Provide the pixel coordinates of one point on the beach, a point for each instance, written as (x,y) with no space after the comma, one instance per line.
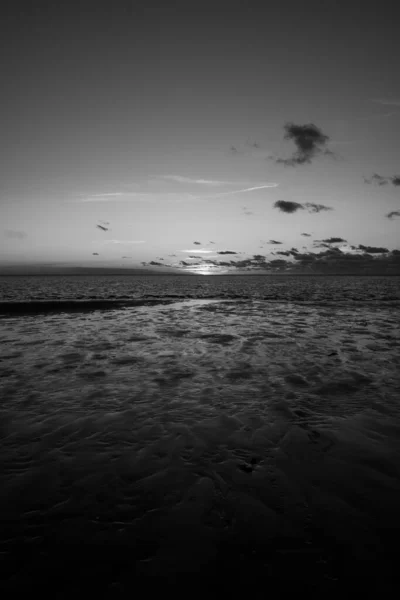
(249,440)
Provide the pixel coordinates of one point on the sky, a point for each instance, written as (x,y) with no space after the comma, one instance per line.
(194,137)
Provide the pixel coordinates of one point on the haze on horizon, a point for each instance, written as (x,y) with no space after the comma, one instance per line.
(199,140)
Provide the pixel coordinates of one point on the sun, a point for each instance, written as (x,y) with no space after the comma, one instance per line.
(207,270)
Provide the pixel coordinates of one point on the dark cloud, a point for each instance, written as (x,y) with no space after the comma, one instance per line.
(316,208)
(223,263)
(197,243)
(102,227)
(294,250)
(382,180)
(394,213)
(153,263)
(226,252)
(290,207)
(12,234)
(309,141)
(283,252)
(275,241)
(95,254)
(306,234)
(319,244)
(287,206)
(334,240)
(373,249)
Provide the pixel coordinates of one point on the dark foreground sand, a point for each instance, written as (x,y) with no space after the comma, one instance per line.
(203,448)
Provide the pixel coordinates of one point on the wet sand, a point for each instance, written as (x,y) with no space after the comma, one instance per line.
(246,445)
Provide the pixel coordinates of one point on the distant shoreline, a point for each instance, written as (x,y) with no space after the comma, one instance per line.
(125,274)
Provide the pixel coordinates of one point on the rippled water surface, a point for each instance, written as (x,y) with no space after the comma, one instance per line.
(220,422)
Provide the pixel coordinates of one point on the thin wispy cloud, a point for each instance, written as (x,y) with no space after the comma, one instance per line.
(386,101)
(12,234)
(137,197)
(200,181)
(108,195)
(199,250)
(124,242)
(378,116)
(250,189)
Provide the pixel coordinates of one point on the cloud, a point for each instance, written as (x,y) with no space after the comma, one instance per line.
(12,234)
(95,254)
(288,206)
(153,263)
(124,242)
(207,182)
(242,191)
(137,197)
(334,240)
(198,250)
(306,234)
(316,208)
(226,252)
(309,141)
(319,244)
(382,180)
(332,260)
(275,241)
(373,249)
(386,102)
(107,195)
(126,256)
(102,227)
(198,243)
(394,213)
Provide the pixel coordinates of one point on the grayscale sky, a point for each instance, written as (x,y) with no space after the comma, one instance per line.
(135,131)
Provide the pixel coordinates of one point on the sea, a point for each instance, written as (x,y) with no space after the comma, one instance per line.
(234,430)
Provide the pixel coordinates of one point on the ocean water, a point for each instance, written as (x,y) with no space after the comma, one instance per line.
(160,427)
